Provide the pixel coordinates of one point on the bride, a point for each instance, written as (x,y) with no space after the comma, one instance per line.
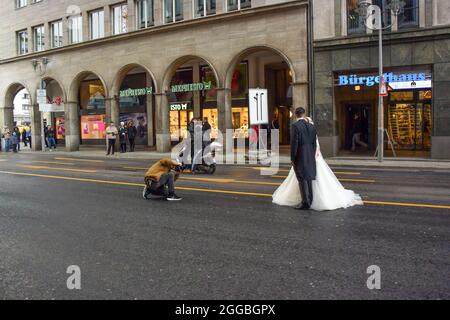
(328,192)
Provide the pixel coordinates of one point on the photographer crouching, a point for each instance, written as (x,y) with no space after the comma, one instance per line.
(160,180)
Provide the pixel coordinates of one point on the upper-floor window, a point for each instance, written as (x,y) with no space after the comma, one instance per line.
(355,23)
(173,10)
(238,4)
(56,34)
(39,38)
(119,18)
(97,24)
(144,13)
(204,8)
(21,3)
(410,16)
(22,42)
(75,29)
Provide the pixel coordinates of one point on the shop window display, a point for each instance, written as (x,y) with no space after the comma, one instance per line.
(139,120)
(92,95)
(60,128)
(240,122)
(179,119)
(93,127)
(410,120)
(239,94)
(213,120)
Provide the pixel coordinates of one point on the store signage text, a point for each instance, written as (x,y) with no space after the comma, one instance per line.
(354,80)
(192,87)
(180,106)
(136,92)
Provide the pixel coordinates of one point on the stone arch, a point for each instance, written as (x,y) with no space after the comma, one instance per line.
(72,108)
(274,65)
(48,79)
(11,92)
(148,101)
(7,111)
(170,71)
(122,73)
(75,84)
(239,56)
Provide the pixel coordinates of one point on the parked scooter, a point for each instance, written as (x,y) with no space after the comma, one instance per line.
(208,162)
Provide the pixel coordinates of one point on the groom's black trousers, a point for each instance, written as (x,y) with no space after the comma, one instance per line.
(305,190)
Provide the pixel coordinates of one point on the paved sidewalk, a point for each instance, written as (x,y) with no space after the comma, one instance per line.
(284,159)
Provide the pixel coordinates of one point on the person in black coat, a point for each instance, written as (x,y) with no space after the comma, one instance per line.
(132,132)
(303,156)
(206,133)
(123,137)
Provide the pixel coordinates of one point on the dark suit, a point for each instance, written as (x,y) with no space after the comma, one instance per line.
(303,155)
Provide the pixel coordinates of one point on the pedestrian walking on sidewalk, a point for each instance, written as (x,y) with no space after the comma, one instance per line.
(111,136)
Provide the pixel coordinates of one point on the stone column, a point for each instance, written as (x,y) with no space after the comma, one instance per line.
(300,96)
(65,31)
(150,122)
(30,39)
(158,13)
(48,38)
(86,35)
(131,21)
(36,129)
(224,106)
(112,106)
(7,117)
(196,94)
(107,17)
(187,9)
(221,7)
(72,126)
(163,143)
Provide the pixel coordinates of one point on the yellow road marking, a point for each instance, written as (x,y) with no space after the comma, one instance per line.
(135,168)
(356,180)
(347,173)
(340,179)
(55,162)
(230,181)
(56,169)
(81,160)
(209,179)
(418,205)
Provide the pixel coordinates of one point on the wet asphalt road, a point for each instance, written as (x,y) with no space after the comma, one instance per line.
(219,242)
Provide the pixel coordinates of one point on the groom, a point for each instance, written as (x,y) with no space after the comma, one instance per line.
(303,156)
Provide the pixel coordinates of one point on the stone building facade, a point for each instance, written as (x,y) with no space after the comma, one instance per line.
(262,33)
(417,43)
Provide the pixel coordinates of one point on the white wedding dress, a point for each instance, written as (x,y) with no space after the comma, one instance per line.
(328,192)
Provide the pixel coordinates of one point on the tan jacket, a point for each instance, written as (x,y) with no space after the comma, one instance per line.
(159,168)
(112,132)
